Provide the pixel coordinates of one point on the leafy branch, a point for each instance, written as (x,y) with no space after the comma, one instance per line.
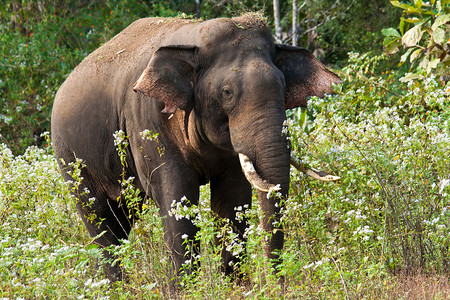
(424,31)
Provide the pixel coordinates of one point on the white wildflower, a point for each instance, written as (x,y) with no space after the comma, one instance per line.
(442,185)
(119,137)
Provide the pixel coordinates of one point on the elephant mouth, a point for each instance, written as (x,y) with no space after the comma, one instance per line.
(263,185)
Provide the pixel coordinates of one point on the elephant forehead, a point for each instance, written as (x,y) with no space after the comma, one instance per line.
(240,31)
(257,65)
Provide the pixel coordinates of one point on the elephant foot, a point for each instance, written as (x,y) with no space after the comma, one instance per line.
(115,274)
(111,268)
(243,280)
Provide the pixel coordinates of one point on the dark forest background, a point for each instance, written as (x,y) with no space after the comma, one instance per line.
(381,232)
(42,41)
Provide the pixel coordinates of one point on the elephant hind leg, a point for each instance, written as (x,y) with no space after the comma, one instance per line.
(105,218)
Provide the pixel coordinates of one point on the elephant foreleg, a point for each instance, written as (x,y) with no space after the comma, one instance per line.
(231,192)
(173,187)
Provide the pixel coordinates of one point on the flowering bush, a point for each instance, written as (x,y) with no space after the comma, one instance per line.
(40,44)
(42,242)
(389,142)
(388,215)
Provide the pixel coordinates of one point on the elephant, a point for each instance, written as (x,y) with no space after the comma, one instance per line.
(216,93)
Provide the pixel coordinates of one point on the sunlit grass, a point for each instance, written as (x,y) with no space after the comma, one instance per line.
(379,233)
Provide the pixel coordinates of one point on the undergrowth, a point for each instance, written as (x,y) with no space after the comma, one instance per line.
(381,232)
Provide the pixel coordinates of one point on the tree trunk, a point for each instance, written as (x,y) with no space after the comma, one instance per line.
(197,9)
(294,23)
(276,16)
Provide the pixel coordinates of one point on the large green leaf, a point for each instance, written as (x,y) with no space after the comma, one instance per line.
(390,39)
(390,32)
(401,26)
(415,10)
(413,20)
(415,54)
(405,55)
(418,4)
(410,77)
(439,36)
(412,36)
(402,5)
(434,62)
(442,19)
(393,46)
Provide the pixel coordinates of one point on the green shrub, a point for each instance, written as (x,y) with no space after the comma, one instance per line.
(424,33)
(40,44)
(43,242)
(389,214)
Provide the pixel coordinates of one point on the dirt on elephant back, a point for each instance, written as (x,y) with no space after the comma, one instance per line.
(145,35)
(136,39)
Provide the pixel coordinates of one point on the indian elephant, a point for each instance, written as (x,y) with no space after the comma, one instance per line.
(216,92)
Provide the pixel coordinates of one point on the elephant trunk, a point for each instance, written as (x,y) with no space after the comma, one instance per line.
(265,159)
(274,165)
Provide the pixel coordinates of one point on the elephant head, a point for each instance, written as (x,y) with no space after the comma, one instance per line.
(237,84)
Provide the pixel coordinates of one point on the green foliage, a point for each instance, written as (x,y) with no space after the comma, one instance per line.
(333,28)
(338,27)
(389,214)
(424,32)
(40,44)
(387,139)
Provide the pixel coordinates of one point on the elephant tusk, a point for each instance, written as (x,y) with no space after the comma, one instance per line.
(252,176)
(319,175)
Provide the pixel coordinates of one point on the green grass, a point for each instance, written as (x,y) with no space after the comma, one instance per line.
(381,232)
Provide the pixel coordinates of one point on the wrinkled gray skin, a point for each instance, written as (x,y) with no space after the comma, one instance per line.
(211,89)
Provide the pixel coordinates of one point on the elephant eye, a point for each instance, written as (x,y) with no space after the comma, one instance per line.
(226,92)
(228,98)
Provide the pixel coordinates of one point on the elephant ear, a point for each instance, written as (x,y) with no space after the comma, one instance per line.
(168,78)
(304,74)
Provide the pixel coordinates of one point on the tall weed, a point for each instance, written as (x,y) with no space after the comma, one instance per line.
(385,223)
(389,214)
